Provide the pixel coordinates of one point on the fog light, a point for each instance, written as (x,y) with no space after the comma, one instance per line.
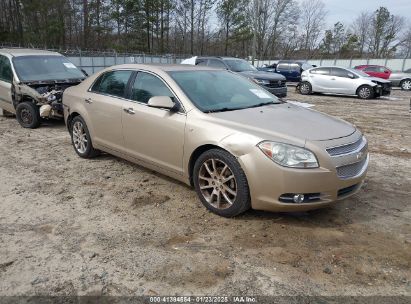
(298,198)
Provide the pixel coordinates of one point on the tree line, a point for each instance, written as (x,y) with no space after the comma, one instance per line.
(261,28)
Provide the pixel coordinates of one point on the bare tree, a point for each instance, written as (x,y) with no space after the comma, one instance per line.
(312,20)
(361,28)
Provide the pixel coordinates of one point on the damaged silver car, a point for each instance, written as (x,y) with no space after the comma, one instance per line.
(32,83)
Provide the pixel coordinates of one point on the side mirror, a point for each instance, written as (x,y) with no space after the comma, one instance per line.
(386,72)
(350,75)
(161,102)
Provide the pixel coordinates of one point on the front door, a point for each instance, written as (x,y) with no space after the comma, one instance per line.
(151,134)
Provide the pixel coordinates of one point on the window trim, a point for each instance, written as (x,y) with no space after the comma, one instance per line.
(131,80)
(115,96)
(11,69)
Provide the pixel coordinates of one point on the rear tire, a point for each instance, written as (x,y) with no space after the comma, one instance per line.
(81,139)
(28,115)
(221,184)
(365,92)
(305,88)
(406,85)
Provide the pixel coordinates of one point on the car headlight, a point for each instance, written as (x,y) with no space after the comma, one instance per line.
(288,155)
(261,81)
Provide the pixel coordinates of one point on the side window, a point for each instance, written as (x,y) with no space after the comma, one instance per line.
(112,83)
(5,69)
(294,67)
(283,67)
(216,64)
(146,86)
(370,69)
(340,72)
(321,71)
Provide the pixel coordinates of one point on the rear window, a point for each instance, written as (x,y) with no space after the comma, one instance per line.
(112,83)
(321,71)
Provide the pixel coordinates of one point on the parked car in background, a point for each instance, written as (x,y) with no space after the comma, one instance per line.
(274,83)
(375,70)
(32,84)
(338,80)
(401,79)
(290,69)
(237,144)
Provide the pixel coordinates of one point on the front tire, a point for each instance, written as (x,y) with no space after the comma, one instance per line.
(81,140)
(365,92)
(28,115)
(406,85)
(305,88)
(221,183)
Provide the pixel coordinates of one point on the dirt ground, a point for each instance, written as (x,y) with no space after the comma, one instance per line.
(70,226)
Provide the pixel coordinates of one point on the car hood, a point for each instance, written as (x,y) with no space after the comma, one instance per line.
(378,79)
(400,74)
(262,75)
(285,121)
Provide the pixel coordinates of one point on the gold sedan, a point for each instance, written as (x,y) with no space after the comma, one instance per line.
(237,144)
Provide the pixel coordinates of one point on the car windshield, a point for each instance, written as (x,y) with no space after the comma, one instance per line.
(359,73)
(216,91)
(45,68)
(239,65)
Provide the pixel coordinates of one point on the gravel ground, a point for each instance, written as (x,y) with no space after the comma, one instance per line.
(70,226)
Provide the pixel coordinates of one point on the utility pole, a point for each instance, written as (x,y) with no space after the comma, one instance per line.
(256,9)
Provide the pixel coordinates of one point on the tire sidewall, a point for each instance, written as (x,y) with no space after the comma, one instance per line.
(34,112)
(242,201)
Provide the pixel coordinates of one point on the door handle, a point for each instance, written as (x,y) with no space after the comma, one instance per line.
(129,111)
(88,100)
(332,78)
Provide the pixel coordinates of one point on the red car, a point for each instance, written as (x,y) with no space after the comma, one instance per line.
(375,70)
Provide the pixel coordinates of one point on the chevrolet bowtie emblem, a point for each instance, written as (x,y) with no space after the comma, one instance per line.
(359,155)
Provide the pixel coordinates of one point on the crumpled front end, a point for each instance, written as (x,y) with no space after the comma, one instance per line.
(47,96)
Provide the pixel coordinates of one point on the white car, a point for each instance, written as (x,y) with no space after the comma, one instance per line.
(337,80)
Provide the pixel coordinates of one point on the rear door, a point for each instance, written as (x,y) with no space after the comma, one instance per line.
(284,69)
(295,72)
(321,80)
(6,80)
(151,134)
(105,102)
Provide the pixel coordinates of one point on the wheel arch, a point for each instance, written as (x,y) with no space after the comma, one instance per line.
(70,118)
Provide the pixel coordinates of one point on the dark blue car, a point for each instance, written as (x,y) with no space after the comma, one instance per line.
(290,69)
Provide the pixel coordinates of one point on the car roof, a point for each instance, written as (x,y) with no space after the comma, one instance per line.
(16,52)
(163,67)
(219,57)
(369,65)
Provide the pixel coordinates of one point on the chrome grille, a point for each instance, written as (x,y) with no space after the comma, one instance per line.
(349,148)
(352,170)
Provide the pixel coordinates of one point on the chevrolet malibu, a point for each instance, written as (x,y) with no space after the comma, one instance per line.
(237,144)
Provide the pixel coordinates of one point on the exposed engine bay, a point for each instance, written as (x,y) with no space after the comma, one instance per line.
(47,95)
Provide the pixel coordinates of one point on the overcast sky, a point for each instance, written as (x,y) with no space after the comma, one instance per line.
(346,10)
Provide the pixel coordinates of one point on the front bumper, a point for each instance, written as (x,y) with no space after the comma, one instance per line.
(384,90)
(279,92)
(271,184)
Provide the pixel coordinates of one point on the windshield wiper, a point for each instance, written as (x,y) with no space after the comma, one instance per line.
(262,104)
(222,110)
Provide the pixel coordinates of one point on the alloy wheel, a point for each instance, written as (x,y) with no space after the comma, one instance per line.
(406,85)
(364,92)
(217,183)
(305,88)
(79,137)
(26,116)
